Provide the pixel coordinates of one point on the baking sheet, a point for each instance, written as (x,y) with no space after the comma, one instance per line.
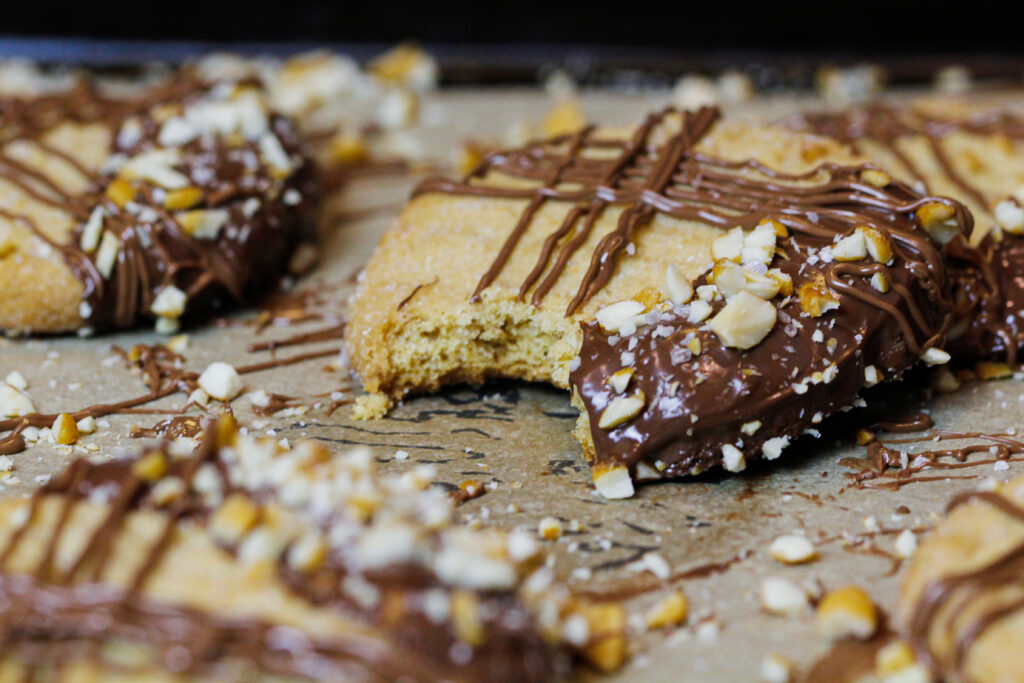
(515,437)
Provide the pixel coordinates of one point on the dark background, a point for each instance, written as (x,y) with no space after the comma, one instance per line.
(509,41)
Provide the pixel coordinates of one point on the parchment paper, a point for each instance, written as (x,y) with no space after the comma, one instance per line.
(713,532)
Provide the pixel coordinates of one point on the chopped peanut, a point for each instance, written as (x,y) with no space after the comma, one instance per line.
(847,612)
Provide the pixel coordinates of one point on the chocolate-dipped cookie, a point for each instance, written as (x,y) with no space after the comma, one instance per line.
(708,289)
(154,206)
(244,560)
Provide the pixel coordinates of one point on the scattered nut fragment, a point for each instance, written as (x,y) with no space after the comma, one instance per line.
(792,549)
(944,381)
(846,612)
(348,149)
(17,380)
(989,370)
(679,288)
(622,409)
(784,281)
(733,459)
(876,177)
(564,118)
(221,381)
(106,256)
(776,668)
(650,297)
(466,617)
(759,244)
(120,191)
(1010,216)
(816,299)
(937,219)
(894,657)
(699,312)
(619,380)
(184,198)
(607,624)
(65,429)
(308,553)
(169,302)
(877,243)
(150,467)
(203,223)
(613,317)
(774,446)
(934,356)
(745,321)
(782,597)
(613,482)
(550,529)
(233,519)
(871,376)
(880,282)
(87,425)
(906,544)
(92,229)
(13,403)
(728,246)
(850,248)
(670,611)
(178,343)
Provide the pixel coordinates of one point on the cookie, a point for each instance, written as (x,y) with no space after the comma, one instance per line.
(974,153)
(962,599)
(708,290)
(154,206)
(243,559)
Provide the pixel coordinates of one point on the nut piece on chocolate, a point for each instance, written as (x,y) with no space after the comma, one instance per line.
(244,560)
(709,290)
(173,201)
(974,153)
(961,603)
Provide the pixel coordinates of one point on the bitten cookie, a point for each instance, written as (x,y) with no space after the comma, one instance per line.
(708,290)
(243,560)
(115,209)
(962,597)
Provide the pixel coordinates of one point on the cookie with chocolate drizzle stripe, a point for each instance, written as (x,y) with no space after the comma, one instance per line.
(720,381)
(962,596)
(662,389)
(246,557)
(972,153)
(169,203)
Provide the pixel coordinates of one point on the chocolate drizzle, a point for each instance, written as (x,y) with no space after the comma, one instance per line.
(645,179)
(155,250)
(972,601)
